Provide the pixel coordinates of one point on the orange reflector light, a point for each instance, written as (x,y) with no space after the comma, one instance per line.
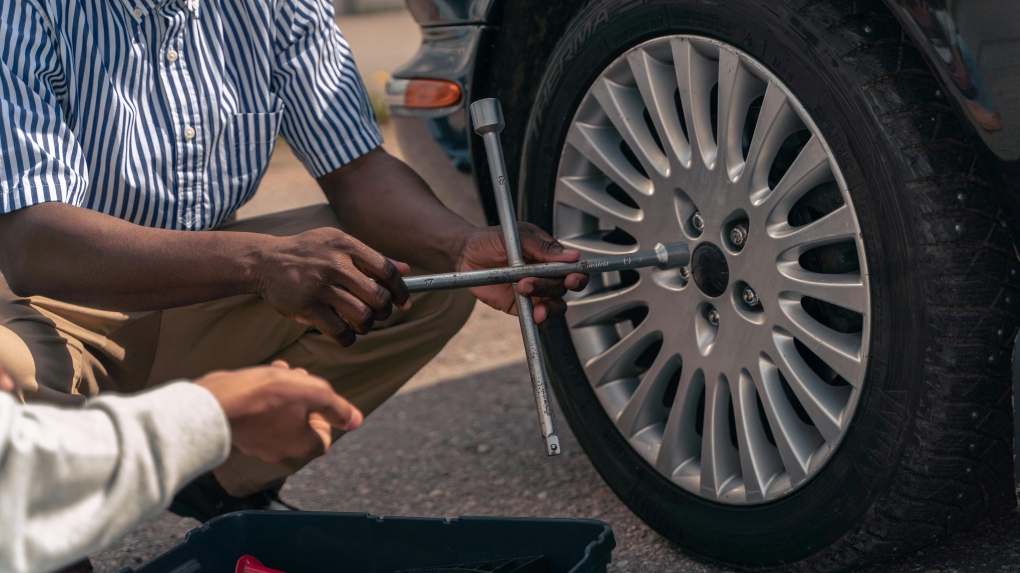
(431,94)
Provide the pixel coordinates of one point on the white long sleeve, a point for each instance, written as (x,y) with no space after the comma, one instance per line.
(74,480)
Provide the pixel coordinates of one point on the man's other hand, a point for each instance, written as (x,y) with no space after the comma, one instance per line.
(483,249)
(277,413)
(331,281)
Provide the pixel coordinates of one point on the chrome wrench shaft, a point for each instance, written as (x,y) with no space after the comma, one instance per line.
(487,117)
(665,256)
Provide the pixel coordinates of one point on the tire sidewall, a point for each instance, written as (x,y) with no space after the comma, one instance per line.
(798,51)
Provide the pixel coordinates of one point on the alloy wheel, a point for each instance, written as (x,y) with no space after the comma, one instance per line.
(738,376)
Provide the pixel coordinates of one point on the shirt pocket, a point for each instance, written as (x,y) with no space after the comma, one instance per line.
(247,144)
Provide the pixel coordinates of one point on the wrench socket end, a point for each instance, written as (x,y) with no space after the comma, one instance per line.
(487,116)
(673,255)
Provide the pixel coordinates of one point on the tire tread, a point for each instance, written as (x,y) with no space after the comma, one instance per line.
(961,438)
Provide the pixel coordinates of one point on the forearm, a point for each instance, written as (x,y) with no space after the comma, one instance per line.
(73,481)
(82,257)
(385,204)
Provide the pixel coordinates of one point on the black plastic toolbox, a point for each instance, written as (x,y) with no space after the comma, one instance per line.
(312,542)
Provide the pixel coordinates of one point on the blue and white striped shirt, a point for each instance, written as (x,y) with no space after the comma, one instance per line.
(164,112)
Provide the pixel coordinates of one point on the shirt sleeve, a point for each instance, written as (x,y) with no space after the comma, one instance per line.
(40,159)
(72,481)
(327,118)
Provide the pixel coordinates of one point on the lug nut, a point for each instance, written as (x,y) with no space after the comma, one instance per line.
(751,297)
(698,221)
(713,317)
(738,235)
(685,273)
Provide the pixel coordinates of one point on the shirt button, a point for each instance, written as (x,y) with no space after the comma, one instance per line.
(172,55)
(189,132)
(138,12)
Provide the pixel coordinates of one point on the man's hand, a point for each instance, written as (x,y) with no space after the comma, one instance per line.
(483,249)
(277,413)
(329,280)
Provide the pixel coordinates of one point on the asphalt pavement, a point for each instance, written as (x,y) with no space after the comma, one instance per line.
(462,437)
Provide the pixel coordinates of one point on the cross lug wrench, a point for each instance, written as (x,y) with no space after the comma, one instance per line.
(487,117)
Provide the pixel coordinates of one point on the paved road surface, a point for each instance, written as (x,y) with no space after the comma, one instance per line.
(461,438)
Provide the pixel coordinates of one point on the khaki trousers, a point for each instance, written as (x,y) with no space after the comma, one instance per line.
(64,353)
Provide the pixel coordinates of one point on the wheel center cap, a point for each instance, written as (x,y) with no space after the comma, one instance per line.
(710,270)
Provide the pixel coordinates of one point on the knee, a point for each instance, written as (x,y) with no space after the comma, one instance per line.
(16,359)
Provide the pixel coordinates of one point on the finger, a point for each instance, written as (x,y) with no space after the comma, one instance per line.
(6,384)
(576,281)
(319,397)
(384,272)
(308,444)
(353,311)
(300,371)
(549,308)
(370,293)
(280,364)
(322,428)
(340,413)
(327,321)
(403,268)
(535,287)
(539,246)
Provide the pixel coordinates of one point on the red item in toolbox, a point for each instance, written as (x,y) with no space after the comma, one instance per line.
(248,564)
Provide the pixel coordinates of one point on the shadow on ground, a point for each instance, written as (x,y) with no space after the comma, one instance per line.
(471,446)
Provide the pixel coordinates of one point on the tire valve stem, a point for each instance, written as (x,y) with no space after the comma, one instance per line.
(713,317)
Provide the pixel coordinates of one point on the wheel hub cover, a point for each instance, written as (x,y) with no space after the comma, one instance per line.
(710,270)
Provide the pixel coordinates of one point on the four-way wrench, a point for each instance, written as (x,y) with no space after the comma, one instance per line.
(487,117)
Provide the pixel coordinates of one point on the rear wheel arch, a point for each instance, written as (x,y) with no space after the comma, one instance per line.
(511,63)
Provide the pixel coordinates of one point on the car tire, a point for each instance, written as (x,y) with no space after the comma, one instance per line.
(928,445)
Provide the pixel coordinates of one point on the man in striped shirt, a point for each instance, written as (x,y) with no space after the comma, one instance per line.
(132,130)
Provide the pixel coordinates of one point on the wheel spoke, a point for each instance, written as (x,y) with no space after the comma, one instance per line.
(695,76)
(822,402)
(810,168)
(680,441)
(759,460)
(794,438)
(588,194)
(591,244)
(776,122)
(846,290)
(840,351)
(618,360)
(738,88)
(835,227)
(600,308)
(719,459)
(657,82)
(647,398)
(601,146)
(625,109)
